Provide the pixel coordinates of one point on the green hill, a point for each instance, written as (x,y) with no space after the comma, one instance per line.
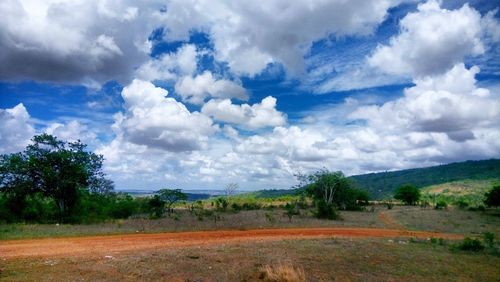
(383,184)
(468,191)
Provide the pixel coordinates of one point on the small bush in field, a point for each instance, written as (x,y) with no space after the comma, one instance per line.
(461,204)
(472,245)
(489,239)
(270,217)
(282,273)
(441,205)
(325,210)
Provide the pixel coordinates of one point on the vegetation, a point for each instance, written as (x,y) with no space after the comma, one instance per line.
(492,198)
(331,191)
(170,197)
(380,185)
(408,194)
(52,180)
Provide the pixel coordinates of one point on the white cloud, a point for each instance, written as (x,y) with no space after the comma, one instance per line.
(72,131)
(263,114)
(249,35)
(169,66)
(154,120)
(16,129)
(196,89)
(86,42)
(449,103)
(431,41)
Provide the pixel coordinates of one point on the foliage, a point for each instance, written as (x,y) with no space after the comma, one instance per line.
(408,194)
(472,245)
(441,205)
(156,206)
(382,184)
(326,211)
(170,197)
(50,174)
(221,204)
(489,239)
(291,209)
(492,198)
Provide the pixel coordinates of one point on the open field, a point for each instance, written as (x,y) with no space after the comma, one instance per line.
(321,259)
(384,245)
(400,217)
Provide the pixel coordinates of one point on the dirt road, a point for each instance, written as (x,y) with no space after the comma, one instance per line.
(109,245)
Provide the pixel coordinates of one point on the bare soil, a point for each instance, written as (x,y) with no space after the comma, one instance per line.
(107,245)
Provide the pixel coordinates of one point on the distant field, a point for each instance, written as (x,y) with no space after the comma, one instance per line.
(469,191)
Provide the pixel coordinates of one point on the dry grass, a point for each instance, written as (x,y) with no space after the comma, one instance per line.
(322,260)
(452,220)
(188,222)
(282,273)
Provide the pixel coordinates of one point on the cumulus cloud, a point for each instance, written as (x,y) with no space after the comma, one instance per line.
(154,120)
(450,103)
(263,114)
(432,40)
(84,42)
(16,129)
(250,35)
(196,89)
(72,131)
(169,66)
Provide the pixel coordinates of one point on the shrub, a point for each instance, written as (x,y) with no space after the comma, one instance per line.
(441,205)
(489,239)
(269,217)
(461,204)
(221,204)
(325,210)
(472,245)
(492,198)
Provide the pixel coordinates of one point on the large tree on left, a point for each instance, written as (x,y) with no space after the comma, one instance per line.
(55,169)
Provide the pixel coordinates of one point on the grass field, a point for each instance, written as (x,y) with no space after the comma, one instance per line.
(321,260)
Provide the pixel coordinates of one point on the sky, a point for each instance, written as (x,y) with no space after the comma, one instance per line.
(196,94)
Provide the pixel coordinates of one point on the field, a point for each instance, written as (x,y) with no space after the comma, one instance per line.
(390,249)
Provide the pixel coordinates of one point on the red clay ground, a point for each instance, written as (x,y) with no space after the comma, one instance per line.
(106,245)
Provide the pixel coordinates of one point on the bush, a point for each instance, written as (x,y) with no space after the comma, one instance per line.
(441,205)
(461,204)
(489,239)
(327,211)
(472,245)
(282,273)
(492,198)
(221,204)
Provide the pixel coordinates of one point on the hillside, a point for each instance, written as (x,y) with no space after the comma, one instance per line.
(468,191)
(383,184)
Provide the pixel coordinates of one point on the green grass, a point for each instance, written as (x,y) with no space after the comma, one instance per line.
(468,191)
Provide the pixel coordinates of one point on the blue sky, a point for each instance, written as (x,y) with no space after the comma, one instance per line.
(198,94)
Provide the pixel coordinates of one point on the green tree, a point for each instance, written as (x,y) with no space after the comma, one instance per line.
(408,194)
(54,169)
(331,191)
(492,197)
(156,206)
(171,196)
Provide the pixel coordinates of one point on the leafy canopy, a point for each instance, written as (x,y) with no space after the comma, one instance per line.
(54,169)
(408,194)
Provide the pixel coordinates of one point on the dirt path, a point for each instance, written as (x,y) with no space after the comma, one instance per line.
(389,221)
(110,245)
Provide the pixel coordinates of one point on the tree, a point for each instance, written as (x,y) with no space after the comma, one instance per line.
(331,191)
(492,198)
(171,196)
(230,189)
(54,169)
(408,194)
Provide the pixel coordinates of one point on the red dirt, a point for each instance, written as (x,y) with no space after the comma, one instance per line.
(108,245)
